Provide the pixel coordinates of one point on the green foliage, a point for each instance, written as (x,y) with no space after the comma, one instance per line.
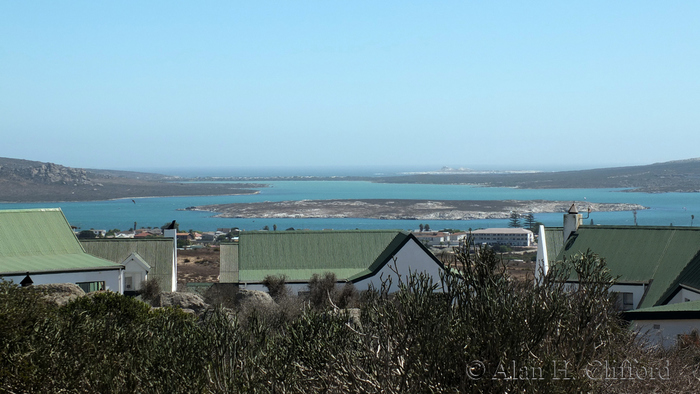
(424,338)
(514,221)
(530,222)
(86,234)
(501,248)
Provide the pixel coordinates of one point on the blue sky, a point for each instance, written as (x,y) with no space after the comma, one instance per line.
(521,85)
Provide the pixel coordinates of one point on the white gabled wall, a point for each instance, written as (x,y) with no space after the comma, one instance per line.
(410,258)
(112,278)
(542,260)
(636,290)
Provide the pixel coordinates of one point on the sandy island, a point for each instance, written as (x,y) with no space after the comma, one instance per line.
(403,209)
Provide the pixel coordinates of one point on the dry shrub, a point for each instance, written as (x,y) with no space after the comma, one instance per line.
(150,289)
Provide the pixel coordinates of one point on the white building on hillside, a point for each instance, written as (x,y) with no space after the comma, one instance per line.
(504,236)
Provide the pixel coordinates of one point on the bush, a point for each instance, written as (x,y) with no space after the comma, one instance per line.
(452,334)
(276,286)
(150,289)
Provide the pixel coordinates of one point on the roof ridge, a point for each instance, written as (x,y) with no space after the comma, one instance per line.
(663,253)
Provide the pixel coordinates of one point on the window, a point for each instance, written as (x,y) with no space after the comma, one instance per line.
(625,301)
(89,287)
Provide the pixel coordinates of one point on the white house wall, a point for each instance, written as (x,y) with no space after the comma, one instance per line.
(636,290)
(684,295)
(112,278)
(411,257)
(667,333)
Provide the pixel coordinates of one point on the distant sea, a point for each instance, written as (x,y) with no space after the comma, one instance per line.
(665,209)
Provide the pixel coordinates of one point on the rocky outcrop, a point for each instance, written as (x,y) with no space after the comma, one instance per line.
(60,293)
(186,301)
(47,173)
(254,298)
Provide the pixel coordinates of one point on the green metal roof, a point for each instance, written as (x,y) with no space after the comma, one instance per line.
(157,252)
(554,239)
(639,254)
(41,240)
(678,311)
(300,254)
(693,306)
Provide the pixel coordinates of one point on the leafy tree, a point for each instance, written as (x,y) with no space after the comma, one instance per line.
(530,222)
(514,221)
(427,227)
(86,234)
(274,227)
(266,228)
(420,227)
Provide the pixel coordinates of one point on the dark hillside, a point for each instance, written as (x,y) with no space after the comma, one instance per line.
(673,176)
(33,181)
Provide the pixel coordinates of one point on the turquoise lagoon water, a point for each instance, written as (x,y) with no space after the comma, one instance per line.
(665,209)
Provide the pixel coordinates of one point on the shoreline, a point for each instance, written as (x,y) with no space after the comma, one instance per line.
(128,198)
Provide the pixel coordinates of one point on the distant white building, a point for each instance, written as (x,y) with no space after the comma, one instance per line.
(457,238)
(504,236)
(432,238)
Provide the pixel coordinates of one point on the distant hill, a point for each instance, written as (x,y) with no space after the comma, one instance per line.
(33,181)
(672,176)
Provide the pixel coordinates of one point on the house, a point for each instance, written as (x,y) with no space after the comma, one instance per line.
(433,238)
(663,325)
(360,257)
(208,237)
(458,238)
(38,246)
(654,265)
(143,258)
(184,237)
(503,236)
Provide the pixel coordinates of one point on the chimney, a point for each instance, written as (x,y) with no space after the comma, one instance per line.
(572,220)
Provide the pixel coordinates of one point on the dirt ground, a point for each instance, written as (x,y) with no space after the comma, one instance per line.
(202,265)
(518,263)
(198,265)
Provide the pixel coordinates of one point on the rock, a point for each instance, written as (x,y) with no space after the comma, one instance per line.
(254,298)
(60,293)
(185,301)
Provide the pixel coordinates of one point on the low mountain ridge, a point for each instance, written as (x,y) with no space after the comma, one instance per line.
(672,176)
(34,181)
